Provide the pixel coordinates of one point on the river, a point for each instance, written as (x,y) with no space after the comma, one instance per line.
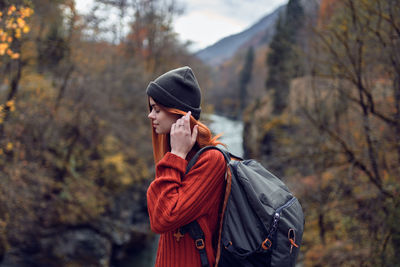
(232,132)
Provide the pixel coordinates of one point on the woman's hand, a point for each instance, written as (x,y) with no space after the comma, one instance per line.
(182,139)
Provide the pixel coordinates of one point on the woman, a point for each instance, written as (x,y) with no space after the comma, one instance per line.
(173,198)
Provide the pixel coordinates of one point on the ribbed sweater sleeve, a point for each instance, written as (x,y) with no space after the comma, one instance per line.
(175,199)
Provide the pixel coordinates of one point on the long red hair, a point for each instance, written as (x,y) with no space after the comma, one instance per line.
(204,137)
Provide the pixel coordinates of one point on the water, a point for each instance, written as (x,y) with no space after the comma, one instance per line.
(144,258)
(232,132)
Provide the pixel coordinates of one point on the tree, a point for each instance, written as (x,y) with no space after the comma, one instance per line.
(13,25)
(336,142)
(354,104)
(245,78)
(282,61)
(76,139)
(151,39)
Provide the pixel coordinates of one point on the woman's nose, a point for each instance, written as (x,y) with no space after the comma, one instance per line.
(151,115)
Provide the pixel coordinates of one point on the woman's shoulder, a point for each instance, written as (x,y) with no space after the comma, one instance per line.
(210,163)
(212,156)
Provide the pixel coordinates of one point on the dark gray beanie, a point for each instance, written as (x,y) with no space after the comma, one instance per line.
(178,89)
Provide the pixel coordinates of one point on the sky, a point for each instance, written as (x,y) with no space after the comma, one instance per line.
(205,22)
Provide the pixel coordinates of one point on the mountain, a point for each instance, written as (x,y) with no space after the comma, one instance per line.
(260,32)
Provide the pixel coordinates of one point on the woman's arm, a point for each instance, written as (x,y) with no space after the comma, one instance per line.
(175,200)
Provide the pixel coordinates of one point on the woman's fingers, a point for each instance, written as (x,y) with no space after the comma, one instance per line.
(194,134)
(182,123)
(182,138)
(186,120)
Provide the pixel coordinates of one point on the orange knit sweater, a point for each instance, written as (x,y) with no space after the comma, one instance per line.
(175,199)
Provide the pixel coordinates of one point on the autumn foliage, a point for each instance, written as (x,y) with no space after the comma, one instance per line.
(13,25)
(337,141)
(74,135)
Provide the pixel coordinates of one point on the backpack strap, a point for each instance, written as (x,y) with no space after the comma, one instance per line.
(194,228)
(197,234)
(227,156)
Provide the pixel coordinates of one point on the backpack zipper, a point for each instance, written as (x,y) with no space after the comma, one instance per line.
(277,216)
(287,205)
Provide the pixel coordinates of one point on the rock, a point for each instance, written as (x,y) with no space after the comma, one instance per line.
(82,247)
(123,230)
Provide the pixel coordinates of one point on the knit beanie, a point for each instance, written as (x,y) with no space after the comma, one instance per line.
(178,89)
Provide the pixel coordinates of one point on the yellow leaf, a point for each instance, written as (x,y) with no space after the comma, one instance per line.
(18,33)
(21,22)
(15,56)
(9,146)
(26,12)
(26,29)
(3,48)
(10,103)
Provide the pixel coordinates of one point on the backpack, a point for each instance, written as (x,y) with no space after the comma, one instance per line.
(261,221)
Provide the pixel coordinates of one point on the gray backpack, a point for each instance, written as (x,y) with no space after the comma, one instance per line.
(262,222)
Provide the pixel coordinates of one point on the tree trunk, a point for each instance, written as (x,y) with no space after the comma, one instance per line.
(12,93)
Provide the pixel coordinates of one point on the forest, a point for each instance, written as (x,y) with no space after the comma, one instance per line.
(321,110)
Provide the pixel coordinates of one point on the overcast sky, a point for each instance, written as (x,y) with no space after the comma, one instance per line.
(207,21)
(204,22)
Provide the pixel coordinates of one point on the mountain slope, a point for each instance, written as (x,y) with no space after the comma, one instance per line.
(224,49)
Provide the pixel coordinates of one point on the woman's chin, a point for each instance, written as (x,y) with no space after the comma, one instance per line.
(159,131)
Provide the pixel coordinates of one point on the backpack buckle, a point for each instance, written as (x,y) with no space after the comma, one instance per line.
(199,243)
(292,239)
(228,245)
(266,244)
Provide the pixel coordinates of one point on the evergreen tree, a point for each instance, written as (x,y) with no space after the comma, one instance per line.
(282,61)
(245,78)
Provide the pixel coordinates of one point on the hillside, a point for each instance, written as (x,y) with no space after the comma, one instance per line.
(260,32)
(337,151)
